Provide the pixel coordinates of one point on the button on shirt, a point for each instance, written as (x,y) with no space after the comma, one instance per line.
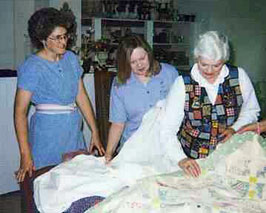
(130,101)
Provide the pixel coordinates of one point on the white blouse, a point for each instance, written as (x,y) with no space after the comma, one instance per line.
(175,101)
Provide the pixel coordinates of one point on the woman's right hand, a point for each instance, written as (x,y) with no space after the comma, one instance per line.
(26,166)
(114,136)
(108,157)
(190,167)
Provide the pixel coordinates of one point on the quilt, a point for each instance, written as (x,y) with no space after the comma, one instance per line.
(232,181)
(145,154)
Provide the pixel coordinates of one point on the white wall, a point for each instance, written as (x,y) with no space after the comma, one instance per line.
(9,154)
(14,45)
(7,37)
(23,9)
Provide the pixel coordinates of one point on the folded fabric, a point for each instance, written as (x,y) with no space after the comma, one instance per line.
(233,180)
(144,154)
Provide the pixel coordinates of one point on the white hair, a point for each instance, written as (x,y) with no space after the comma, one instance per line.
(213,46)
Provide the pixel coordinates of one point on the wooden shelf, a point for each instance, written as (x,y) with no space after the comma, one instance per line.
(115,22)
(171,44)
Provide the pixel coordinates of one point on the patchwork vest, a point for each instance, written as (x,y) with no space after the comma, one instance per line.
(203,123)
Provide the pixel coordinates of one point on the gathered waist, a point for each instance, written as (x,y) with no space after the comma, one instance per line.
(55,108)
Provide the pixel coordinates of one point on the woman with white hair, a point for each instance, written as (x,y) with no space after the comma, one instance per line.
(208,105)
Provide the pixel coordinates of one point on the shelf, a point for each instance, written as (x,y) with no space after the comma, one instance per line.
(169,39)
(86,21)
(132,22)
(162,24)
(115,22)
(183,67)
(171,44)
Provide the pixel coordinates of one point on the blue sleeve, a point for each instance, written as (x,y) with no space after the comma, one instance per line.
(117,107)
(28,76)
(76,63)
(170,71)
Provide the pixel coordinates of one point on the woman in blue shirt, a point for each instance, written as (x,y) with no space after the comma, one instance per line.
(141,81)
(51,81)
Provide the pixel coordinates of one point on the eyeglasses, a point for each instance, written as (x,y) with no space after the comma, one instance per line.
(60,38)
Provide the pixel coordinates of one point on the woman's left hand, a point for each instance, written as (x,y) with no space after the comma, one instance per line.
(227,134)
(96,143)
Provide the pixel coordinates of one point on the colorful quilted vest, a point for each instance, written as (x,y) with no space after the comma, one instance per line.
(203,122)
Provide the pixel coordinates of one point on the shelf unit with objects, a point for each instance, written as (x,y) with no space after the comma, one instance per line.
(172,43)
(171,40)
(100,38)
(102,35)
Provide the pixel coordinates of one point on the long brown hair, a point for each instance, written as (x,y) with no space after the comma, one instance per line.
(125,49)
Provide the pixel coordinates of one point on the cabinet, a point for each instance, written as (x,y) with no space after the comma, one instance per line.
(103,81)
(171,41)
(9,152)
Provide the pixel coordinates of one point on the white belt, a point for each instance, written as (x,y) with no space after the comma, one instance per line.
(55,108)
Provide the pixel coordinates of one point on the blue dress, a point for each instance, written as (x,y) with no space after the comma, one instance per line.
(130,101)
(52,135)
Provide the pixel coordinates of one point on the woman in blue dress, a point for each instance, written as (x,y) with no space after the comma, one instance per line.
(51,81)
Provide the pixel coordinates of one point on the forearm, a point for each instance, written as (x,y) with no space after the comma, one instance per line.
(174,110)
(245,118)
(250,108)
(85,106)
(115,132)
(263,126)
(22,101)
(258,127)
(248,114)
(21,127)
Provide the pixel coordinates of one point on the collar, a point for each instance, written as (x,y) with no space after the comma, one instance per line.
(195,73)
(133,79)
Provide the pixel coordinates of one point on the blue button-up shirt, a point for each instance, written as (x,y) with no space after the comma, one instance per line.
(130,101)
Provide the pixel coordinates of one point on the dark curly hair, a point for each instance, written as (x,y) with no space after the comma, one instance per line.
(42,23)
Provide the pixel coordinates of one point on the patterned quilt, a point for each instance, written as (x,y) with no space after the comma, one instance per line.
(232,181)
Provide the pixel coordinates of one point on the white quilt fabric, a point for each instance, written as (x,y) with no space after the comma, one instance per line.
(144,154)
(233,180)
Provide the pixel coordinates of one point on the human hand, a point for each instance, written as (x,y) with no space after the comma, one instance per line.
(227,134)
(190,167)
(108,157)
(96,143)
(26,165)
(249,127)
